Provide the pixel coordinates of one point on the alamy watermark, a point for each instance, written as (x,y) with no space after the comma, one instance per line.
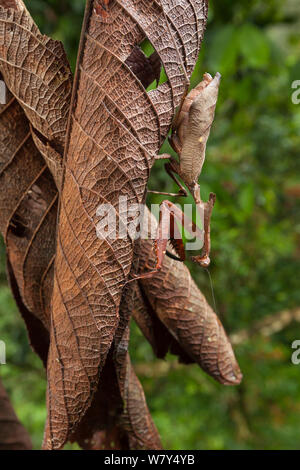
(2,353)
(133,221)
(296,94)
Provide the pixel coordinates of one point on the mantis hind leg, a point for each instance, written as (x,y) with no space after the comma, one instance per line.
(204,259)
(168,232)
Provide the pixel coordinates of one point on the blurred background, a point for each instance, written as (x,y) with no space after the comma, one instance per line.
(253,166)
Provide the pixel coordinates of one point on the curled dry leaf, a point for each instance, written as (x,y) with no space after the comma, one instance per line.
(124,422)
(13,436)
(32,66)
(157,334)
(14,4)
(116,129)
(99,428)
(42,84)
(28,201)
(31,282)
(135,419)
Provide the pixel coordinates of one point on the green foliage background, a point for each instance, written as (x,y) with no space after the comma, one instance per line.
(253,167)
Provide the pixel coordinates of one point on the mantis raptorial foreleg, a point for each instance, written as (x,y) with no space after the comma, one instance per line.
(168,231)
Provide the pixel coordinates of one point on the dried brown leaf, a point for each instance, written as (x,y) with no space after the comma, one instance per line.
(13,436)
(28,201)
(124,423)
(146,69)
(136,420)
(36,70)
(32,65)
(153,329)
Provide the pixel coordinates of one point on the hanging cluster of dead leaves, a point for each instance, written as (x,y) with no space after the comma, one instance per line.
(65,148)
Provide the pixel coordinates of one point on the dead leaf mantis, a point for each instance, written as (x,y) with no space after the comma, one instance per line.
(190,132)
